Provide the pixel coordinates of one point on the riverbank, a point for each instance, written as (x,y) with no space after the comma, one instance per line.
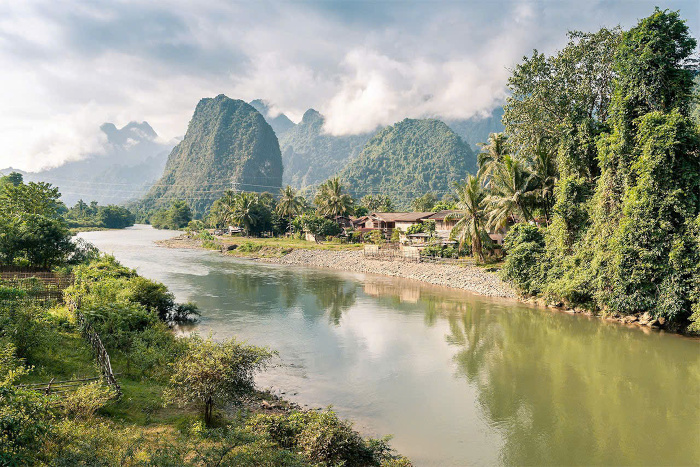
(350,258)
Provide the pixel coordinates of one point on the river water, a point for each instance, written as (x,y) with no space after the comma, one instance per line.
(456,378)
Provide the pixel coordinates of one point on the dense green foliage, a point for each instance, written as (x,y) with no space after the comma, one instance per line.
(253,212)
(177,216)
(623,237)
(93,215)
(311,156)
(228,144)
(477,129)
(32,229)
(409,159)
(318,226)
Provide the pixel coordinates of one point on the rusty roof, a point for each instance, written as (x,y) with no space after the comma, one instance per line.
(401,216)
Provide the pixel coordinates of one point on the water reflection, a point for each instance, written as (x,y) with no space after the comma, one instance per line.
(458,379)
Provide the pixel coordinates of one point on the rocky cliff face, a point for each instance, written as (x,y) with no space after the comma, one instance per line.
(228,145)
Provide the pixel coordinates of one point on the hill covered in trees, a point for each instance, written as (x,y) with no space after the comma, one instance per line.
(408,159)
(310,156)
(132,159)
(228,144)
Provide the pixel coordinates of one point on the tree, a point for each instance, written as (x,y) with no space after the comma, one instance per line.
(470,226)
(245,212)
(545,175)
(380,203)
(331,201)
(176,217)
(290,203)
(14,178)
(211,373)
(32,230)
(491,155)
(425,203)
(512,193)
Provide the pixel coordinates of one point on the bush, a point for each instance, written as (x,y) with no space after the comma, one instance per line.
(525,249)
(25,418)
(323,438)
(86,400)
(375,236)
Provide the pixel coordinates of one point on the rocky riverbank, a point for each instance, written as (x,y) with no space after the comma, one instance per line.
(469,278)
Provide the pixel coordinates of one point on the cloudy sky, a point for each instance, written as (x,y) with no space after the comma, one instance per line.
(68,66)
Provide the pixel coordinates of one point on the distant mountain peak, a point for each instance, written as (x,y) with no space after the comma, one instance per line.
(135,131)
(311,116)
(280,123)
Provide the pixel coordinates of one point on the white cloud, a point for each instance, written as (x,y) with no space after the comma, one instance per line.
(67,67)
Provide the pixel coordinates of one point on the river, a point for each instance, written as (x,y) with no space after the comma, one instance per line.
(456,378)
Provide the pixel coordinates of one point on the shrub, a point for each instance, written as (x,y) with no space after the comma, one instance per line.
(323,438)
(525,250)
(86,400)
(375,236)
(25,418)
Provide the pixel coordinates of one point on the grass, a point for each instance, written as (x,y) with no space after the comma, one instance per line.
(279,246)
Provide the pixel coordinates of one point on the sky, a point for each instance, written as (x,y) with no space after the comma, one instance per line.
(68,66)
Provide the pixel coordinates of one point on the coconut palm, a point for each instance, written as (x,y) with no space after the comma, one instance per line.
(245,211)
(471,215)
(512,192)
(331,201)
(220,213)
(290,204)
(491,155)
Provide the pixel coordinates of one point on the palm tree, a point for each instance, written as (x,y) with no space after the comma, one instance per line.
(331,201)
(222,209)
(512,192)
(471,215)
(245,211)
(544,173)
(290,204)
(491,155)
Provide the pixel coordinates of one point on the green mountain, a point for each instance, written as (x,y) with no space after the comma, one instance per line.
(476,130)
(280,122)
(228,144)
(310,156)
(408,159)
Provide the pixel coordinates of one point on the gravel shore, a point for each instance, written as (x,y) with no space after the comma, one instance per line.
(469,278)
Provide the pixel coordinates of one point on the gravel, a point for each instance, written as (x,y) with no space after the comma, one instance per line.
(459,277)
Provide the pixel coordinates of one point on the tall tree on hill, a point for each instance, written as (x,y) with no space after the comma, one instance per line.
(331,201)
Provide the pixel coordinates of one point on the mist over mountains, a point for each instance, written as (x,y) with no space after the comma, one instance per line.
(132,159)
(219,154)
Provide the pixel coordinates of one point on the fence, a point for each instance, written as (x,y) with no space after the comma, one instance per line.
(100,352)
(58,387)
(39,284)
